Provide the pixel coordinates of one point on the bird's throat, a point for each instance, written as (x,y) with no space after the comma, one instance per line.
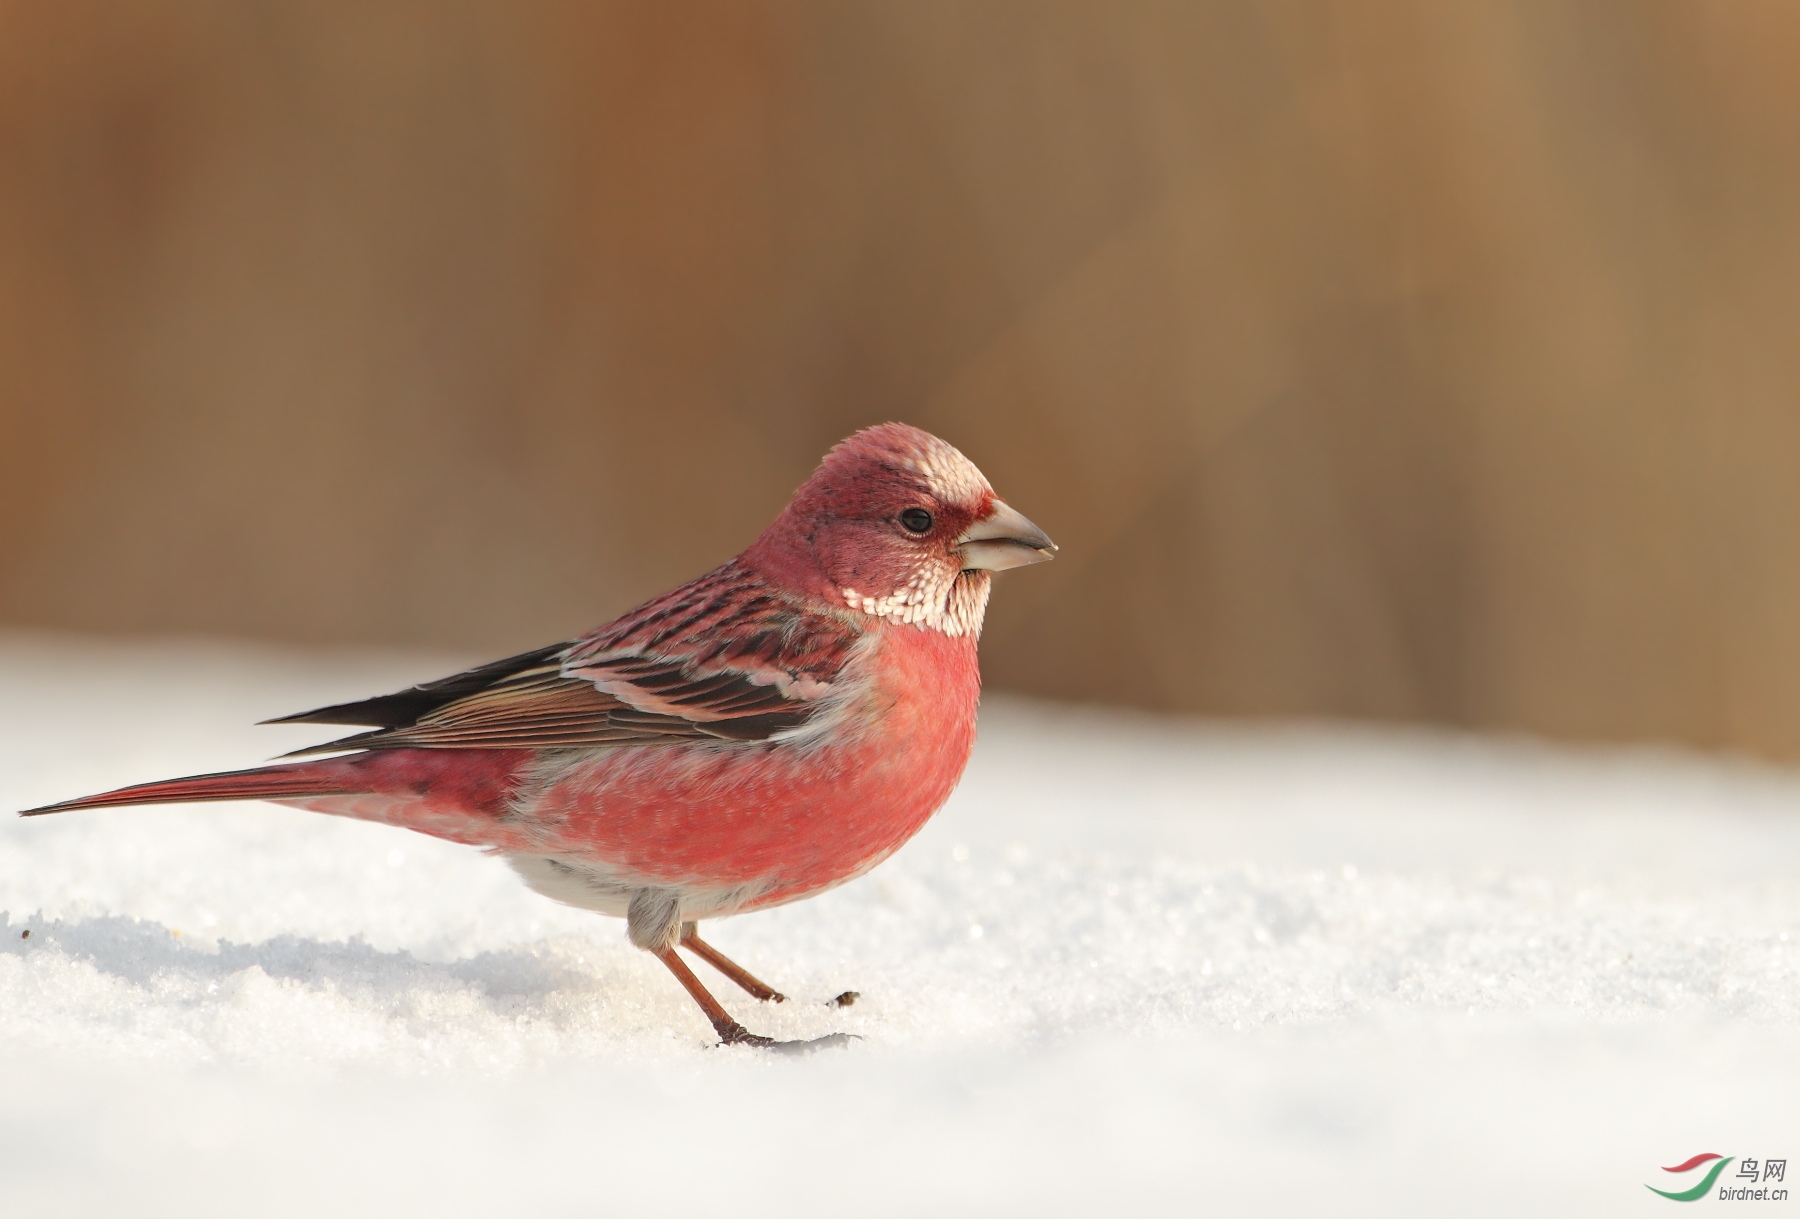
(954,604)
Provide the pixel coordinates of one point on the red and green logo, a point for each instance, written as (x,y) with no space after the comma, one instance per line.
(1745,1185)
(1706,1182)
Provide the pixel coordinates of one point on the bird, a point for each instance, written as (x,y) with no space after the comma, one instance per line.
(761,734)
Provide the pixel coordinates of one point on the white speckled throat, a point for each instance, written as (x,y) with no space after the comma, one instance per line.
(934,598)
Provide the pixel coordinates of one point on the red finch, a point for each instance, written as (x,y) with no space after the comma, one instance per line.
(763,733)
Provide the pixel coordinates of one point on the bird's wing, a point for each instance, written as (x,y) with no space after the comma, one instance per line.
(721,658)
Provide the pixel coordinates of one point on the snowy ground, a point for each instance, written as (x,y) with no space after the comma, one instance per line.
(1135,966)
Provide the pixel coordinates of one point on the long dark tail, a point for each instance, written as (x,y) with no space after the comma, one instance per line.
(327,778)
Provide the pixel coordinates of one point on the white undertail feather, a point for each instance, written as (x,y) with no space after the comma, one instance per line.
(654,910)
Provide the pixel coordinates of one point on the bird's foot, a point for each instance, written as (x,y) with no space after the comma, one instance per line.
(737,1034)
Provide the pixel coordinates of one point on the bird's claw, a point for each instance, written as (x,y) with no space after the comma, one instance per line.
(737,1034)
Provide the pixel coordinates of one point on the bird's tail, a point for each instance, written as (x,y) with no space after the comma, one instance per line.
(327,778)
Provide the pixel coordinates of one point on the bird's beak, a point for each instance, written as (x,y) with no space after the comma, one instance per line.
(1002,539)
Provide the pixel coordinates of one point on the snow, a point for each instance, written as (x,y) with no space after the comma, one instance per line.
(1135,964)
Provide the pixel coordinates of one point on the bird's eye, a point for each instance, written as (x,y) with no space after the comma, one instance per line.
(916,520)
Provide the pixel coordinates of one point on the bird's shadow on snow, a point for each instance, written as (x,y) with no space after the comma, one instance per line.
(146,954)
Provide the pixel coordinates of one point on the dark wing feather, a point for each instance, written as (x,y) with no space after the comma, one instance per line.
(738,664)
(405,708)
(724,646)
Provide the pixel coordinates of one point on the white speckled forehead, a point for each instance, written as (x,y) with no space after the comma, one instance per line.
(947,474)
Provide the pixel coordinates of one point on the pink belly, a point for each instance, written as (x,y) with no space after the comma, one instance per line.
(786,820)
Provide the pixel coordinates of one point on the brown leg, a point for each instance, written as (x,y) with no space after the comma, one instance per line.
(690,940)
(730,1031)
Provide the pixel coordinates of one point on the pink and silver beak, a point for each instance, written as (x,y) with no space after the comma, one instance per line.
(1002,539)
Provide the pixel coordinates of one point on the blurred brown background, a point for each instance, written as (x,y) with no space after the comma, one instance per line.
(1401,358)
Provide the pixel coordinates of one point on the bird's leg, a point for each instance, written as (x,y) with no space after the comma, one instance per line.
(730,1031)
(690,940)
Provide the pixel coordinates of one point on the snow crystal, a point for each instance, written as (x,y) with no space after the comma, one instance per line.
(1135,963)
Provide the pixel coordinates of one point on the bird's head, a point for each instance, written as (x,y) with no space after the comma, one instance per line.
(897,524)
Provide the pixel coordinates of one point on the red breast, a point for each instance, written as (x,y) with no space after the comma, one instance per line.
(787,819)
